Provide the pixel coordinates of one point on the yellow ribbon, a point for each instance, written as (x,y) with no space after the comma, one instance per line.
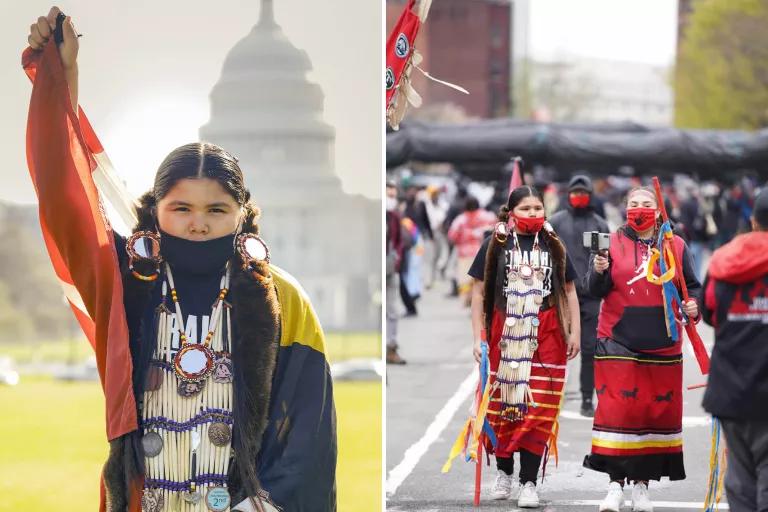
(482,410)
(458,446)
(473,426)
(668,275)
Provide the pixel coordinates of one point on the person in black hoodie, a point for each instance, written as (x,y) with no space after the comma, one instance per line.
(578,217)
(736,305)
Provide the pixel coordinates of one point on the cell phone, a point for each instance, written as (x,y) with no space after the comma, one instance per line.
(597,242)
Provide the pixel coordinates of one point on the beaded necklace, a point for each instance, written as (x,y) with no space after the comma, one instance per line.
(186,417)
(519,337)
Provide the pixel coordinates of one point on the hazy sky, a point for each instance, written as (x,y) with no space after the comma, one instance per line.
(629,30)
(147,67)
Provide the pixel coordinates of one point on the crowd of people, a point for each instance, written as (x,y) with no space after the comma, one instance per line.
(540,294)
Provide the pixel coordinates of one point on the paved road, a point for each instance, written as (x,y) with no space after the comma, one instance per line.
(426,406)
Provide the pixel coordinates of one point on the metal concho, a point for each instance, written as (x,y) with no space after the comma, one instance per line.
(154,378)
(188,389)
(192,497)
(219,433)
(152,444)
(222,368)
(152,500)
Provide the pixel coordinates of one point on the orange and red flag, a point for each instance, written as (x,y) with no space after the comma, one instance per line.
(62,154)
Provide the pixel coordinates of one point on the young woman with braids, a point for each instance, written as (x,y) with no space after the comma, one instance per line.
(525,311)
(229,375)
(637,431)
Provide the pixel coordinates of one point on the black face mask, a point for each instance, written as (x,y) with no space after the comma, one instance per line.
(197,257)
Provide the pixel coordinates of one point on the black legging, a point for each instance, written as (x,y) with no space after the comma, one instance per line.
(408,300)
(529,466)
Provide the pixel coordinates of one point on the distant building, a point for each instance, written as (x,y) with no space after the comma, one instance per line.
(467,43)
(266,113)
(595,90)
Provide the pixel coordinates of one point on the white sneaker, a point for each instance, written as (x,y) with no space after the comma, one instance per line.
(529,498)
(614,499)
(641,500)
(502,487)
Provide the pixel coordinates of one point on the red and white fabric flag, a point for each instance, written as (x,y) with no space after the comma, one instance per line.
(63,155)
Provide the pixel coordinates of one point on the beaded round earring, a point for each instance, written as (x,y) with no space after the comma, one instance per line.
(144,258)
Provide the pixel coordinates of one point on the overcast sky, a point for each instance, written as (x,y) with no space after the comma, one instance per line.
(628,30)
(147,67)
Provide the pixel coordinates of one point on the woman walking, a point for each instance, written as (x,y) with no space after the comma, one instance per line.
(524,306)
(637,430)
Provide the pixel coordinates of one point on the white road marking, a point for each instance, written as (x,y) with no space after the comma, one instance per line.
(656,504)
(416,451)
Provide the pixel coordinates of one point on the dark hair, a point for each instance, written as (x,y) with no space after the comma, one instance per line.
(195,161)
(760,211)
(472,204)
(515,198)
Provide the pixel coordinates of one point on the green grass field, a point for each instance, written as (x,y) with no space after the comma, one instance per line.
(54,444)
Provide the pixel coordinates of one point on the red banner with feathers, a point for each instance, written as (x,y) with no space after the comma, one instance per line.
(400,48)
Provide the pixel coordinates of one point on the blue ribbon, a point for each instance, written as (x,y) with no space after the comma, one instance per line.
(484,368)
(712,491)
(668,289)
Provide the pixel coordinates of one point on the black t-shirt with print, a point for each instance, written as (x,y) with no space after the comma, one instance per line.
(197,294)
(477,270)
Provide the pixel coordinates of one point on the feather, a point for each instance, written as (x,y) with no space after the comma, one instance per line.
(422,10)
(443,82)
(413,97)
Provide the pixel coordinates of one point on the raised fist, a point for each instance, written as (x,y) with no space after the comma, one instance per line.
(42,30)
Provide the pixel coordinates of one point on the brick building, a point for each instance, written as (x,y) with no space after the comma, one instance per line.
(466,42)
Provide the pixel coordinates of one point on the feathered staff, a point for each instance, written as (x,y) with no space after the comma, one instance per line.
(477,428)
(671,280)
(402,57)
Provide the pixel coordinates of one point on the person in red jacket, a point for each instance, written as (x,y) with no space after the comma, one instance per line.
(467,232)
(637,430)
(736,305)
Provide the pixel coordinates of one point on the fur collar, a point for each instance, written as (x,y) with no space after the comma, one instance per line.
(256,314)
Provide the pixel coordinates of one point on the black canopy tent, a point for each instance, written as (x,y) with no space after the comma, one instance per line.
(481,149)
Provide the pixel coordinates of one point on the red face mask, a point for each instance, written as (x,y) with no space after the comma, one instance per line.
(529,225)
(580,201)
(641,219)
